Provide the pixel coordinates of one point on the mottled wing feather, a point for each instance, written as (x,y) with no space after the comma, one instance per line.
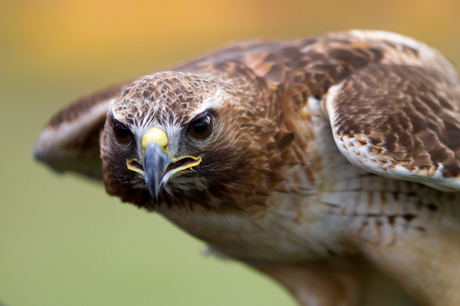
(70,142)
(393,102)
(400,121)
(233,51)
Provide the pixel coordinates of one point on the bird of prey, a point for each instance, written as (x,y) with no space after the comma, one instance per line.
(330,163)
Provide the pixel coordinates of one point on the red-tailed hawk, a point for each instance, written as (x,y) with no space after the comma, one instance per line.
(331,163)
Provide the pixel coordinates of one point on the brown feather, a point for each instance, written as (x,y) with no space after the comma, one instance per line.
(274,188)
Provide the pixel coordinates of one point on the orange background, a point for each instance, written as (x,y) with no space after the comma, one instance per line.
(62,240)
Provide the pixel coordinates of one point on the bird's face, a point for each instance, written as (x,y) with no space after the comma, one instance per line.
(157,159)
(175,135)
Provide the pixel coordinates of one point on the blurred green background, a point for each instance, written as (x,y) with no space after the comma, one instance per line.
(63,241)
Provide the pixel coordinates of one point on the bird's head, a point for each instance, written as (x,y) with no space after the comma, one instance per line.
(182,138)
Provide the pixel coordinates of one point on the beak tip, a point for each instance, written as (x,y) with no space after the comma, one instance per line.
(155,163)
(153,193)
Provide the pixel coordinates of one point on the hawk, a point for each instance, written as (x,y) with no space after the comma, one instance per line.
(330,163)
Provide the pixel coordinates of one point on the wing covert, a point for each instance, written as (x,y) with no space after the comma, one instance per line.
(70,141)
(400,121)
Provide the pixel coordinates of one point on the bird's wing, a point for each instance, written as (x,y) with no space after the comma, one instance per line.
(393,102)
(232,51)
(400,120)
(70,141)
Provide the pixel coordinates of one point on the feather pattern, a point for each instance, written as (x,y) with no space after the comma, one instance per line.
(340,149)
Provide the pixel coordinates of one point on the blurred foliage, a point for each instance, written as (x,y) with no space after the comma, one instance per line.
(62,240)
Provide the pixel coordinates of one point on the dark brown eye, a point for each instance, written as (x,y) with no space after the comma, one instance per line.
(122,133)
(200,128)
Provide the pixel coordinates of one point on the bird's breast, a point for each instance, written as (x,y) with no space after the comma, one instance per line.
(290,228)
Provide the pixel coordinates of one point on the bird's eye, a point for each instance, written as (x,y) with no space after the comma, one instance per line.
(122,133)
(201,128)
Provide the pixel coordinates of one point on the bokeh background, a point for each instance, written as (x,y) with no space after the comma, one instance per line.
(63,241)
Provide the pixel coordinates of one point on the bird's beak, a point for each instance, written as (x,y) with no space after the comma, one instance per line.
(155,165)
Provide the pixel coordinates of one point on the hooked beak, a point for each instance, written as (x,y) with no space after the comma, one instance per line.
(155,165)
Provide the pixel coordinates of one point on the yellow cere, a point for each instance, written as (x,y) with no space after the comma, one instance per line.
(157,135)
